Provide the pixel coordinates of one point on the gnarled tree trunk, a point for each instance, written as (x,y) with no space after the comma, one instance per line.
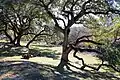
(18,40)
(65,53)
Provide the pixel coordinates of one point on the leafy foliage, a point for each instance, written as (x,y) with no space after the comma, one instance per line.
(111,54)
(106,31)
(22,20)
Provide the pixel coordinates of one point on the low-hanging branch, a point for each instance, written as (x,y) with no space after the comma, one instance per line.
(90,41)
(85,65)
(76,49)
(84,37)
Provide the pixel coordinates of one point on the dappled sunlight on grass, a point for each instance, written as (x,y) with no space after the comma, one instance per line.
(42,66)
(58,49)
(27,70)
(45,60)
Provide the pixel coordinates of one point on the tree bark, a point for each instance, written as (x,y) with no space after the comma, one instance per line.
(64,59)
(9,37)
(65,53)
(18,40)
(6,33)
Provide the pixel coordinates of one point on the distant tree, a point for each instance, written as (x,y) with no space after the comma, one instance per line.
(20,19)
(77,32)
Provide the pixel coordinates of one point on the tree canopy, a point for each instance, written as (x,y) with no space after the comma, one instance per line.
(21,18)
(71,12)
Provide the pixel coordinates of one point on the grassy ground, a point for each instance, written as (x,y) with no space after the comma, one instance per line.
(43,67)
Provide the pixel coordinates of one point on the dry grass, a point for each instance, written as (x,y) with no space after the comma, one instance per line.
(88,58)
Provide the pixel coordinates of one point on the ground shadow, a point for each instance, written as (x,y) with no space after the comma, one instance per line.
(36,52)
(25,70)
(44,53)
